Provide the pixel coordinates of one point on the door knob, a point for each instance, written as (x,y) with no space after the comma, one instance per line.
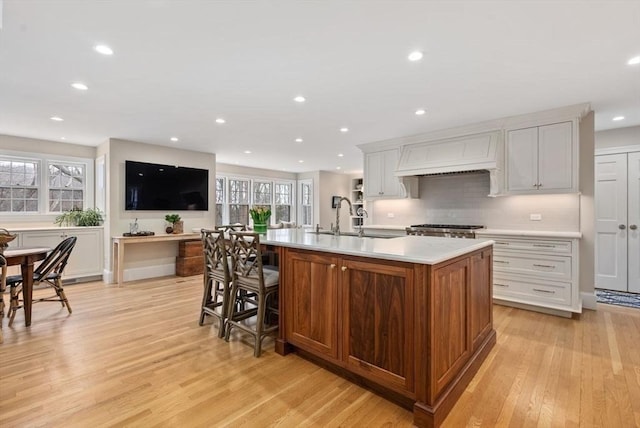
(633,227)
(343,268)
(622,227)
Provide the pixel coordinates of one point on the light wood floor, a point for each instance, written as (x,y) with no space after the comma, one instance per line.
(135,356)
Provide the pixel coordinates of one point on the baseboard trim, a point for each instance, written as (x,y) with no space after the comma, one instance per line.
(134,274)
(589,300)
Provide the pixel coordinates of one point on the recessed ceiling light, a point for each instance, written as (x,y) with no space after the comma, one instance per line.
(340,155)
(299,99)
(220,120)
(247,152)
(56,118)
(298,140)
(344,129)
(301,161)
(420,112)
(415,56)
(617,118)
(79,86)
(63,138)
(174,139)
(338,167)
(634,61)
(103,49)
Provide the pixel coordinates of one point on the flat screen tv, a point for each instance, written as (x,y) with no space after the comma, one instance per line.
(155,187)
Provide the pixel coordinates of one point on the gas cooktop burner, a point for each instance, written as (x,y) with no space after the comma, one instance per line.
(449,226)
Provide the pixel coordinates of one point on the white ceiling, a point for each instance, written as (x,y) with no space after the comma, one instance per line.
(178,65)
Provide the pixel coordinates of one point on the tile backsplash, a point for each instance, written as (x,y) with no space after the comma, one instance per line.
(462,199)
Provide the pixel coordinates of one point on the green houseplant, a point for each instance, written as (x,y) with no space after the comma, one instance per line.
(177,225)
(260,217)
(77,217)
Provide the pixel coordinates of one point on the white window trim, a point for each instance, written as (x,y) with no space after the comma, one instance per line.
(308,181)
(252,178)
(44,159)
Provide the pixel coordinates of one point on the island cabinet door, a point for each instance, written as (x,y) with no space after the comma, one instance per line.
(311,303)
(377,316)
(481,304)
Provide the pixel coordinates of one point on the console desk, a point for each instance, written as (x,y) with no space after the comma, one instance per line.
(120,243)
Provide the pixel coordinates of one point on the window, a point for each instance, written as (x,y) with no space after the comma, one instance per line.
(220,194)
(262,195)
(239,201)
(19,185)
(35,184)
(306,203)
(235,195)
(283,202)
(66,187)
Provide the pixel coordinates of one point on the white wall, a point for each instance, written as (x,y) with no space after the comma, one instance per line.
(618,137)
(462,199)
(227,169)
(332,184)
(149,260)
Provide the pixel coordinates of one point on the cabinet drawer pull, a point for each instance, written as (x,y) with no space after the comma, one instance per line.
(501,261)
(544,245)
(344,268)
(502,243)
(544,291)
(544,266)
(500,285)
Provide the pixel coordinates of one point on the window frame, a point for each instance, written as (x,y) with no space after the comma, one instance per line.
(300,205)
(257,179)
(43,160)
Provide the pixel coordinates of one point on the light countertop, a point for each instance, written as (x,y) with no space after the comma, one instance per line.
(412,249)
(530,233)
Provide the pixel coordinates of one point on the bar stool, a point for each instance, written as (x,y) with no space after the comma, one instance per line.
(217,277)
(249,276)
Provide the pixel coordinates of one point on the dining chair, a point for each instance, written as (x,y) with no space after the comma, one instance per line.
(49,273)
(217,277)
(3,287)
(249,276)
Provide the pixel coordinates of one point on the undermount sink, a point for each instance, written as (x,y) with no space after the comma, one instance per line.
(355,234)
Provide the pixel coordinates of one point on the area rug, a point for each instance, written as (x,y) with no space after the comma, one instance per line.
(619,298)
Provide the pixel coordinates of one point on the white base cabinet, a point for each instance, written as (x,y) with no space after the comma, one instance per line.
(87,257)
(536,272)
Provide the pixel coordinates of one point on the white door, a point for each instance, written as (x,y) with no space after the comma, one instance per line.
(611,221)
(555,169)
(522,159)
(634,221)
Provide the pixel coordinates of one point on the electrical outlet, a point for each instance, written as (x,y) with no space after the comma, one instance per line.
(390,215)
(535,217)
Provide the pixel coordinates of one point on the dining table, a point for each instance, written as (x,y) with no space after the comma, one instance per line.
(26,257)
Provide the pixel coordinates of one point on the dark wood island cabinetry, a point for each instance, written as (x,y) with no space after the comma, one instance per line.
(415,332)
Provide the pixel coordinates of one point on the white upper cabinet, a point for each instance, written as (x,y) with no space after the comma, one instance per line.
(542,159)
(380,181)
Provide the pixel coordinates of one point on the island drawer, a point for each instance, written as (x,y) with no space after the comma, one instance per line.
(533,245)
(557,293)
(552,267)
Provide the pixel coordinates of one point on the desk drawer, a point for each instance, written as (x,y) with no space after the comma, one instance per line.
(551,267)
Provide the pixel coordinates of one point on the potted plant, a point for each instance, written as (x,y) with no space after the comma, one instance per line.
(260,217)
(78,217)
(177,226)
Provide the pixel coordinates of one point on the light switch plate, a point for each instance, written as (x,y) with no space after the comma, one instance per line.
(535,217)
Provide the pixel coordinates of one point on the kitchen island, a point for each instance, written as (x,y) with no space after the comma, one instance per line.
(410,317)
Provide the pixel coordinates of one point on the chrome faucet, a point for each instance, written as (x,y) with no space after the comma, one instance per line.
(336,230)
(364,214)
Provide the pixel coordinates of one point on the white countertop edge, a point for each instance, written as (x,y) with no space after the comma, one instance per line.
(530,233)
(418,245)
(384,226)
(40,228)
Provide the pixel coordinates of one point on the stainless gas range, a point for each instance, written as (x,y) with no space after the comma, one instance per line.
(445,230)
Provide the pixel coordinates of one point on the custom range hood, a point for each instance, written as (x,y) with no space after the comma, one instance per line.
(461,154)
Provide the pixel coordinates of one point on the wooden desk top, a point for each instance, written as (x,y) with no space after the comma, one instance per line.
(156,238)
